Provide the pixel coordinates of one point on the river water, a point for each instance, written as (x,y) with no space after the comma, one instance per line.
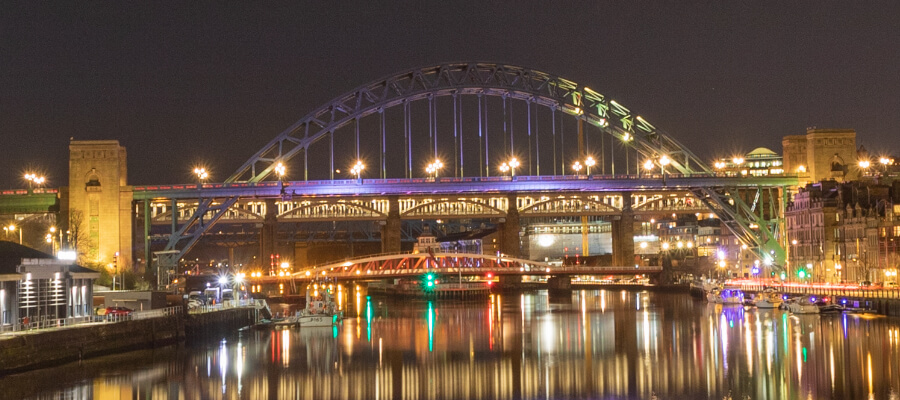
(593,344)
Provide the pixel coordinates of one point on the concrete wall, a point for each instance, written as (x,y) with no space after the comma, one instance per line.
(40,349)
(57,346)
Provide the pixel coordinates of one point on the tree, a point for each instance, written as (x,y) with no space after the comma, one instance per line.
(77,237)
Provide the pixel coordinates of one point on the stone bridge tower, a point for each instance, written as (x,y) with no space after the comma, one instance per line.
(97,203)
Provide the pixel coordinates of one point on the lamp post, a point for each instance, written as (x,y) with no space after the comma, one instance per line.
(648,166)
(510,166)
(885,163)
(663,161)
(590,162)
(357,170)
(12,228)
(202,175)
(720,165)
(280,170)
(577,167)
(434,168)
(864,165)
(738,161)
(51,238)
(33,179)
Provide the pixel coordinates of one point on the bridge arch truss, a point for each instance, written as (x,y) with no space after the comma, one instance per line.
(496,136)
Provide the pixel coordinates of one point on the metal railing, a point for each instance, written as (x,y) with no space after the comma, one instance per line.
(873,293)
(31,324)
(228,304)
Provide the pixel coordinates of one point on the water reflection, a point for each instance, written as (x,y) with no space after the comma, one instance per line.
(586,344)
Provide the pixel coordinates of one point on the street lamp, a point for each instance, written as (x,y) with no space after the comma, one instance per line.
(34,179)
(510,166)
(434,168)
(719,165)
(201,173)
(589,162)
(12,228)
(357,170)
(885,162)
(663,161)
(648,165)
(577,167)
(864,165)
(280,170)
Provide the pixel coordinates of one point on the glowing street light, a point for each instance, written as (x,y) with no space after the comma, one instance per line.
(663,161)
(357,170)
(280,170)
(202,174)
(589,162)
(510,166)
(434,168)
(34,179)
(577,167)
(12,228)
(864,165)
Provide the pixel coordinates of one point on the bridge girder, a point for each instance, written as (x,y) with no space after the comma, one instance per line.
(487,79)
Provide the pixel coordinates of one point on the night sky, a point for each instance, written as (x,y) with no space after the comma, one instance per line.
(197,82)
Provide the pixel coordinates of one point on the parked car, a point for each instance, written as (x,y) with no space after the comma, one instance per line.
(118,311)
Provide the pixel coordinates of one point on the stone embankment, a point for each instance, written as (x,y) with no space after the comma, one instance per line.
(27,350)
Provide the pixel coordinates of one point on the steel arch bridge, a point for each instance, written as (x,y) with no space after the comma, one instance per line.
(416,264)
(380,117)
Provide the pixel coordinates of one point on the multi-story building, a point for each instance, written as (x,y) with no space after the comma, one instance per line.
(844,232)
(821,154)
(811,220)
(870,232)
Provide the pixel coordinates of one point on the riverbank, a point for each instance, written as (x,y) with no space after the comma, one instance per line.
(33,349)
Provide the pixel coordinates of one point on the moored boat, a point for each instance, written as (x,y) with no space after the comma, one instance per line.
(320,310)
(725,296)
(768,299)
(802,305)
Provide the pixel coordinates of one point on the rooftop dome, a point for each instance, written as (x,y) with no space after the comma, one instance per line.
(761,152)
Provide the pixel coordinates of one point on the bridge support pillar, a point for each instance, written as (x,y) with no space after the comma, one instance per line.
(509,281)
(267,234)
(390,231)
(301,255)
(509,229)
(559,283)
(623,234)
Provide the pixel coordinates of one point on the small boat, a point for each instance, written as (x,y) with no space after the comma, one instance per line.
(725,296)
(320,310)
(802,305)
(831,308)
(768,299)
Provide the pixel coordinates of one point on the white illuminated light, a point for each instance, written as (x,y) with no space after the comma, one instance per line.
(545,240)
(67,255)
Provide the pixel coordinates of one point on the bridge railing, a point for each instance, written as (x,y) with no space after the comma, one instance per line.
(443,179)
